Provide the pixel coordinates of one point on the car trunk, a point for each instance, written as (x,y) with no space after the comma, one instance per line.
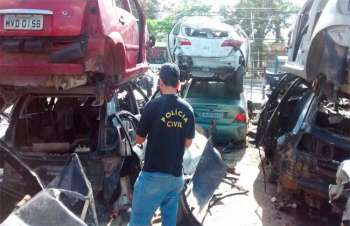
(215,101)
(207,42)
(221,112)
(40,18)
(205,47)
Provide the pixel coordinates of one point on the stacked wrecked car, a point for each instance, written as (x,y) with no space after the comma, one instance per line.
(67,71)
(304,127)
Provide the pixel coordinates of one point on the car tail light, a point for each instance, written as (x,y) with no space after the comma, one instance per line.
(232,43)
(185,42)
(241,117)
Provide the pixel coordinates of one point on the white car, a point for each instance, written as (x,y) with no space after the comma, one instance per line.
(319,46)
(204,47)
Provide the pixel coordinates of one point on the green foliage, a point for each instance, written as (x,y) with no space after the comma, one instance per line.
(192,8)
(264,16)
(160,28)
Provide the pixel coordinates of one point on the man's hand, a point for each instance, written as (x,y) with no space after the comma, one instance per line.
(140,140)
(188,143)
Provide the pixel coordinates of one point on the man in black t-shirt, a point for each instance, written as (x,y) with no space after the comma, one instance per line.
(168,124)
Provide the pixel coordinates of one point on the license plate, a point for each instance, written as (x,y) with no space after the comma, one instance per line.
(23,22)
(215,115)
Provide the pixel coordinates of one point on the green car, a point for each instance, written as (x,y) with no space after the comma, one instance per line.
(220,108)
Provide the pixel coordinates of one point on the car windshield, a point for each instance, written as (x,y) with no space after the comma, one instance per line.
(213,90)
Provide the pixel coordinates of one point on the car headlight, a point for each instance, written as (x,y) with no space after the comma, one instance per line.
(340,35)
(344,6)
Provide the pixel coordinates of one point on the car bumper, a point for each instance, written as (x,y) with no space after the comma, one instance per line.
(225,133)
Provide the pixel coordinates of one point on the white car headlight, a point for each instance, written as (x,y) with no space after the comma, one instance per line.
(340,35)
(344,6)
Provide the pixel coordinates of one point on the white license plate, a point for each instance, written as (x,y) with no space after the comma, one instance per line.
(23,22)
(215,115)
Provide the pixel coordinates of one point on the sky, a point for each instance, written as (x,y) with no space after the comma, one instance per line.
(233,2)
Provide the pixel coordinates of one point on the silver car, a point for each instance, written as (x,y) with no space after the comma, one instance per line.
(203,47)
(318,48)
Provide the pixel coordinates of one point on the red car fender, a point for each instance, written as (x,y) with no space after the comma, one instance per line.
(116,44)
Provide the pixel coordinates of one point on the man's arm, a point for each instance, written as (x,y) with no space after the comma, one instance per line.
(190,133)
(140,140)
(188,143)
(143,126)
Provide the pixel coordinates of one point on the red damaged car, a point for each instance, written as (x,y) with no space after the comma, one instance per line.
(69,43)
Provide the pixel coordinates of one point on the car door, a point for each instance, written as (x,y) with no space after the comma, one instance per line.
(127,26)
(271,106)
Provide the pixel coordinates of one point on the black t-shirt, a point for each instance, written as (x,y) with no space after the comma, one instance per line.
(167,122)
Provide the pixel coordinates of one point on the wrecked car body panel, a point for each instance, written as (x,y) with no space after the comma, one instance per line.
(45,129)
(306,136)
(33,213)
(305,147)
(319,46)
(199,191)
(67,200)
(44,44)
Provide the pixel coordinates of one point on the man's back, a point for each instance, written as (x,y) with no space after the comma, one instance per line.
(168,121)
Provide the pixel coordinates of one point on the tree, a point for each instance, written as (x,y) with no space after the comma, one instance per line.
(151,8)
(160,28)
(264,16)
(192,8)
